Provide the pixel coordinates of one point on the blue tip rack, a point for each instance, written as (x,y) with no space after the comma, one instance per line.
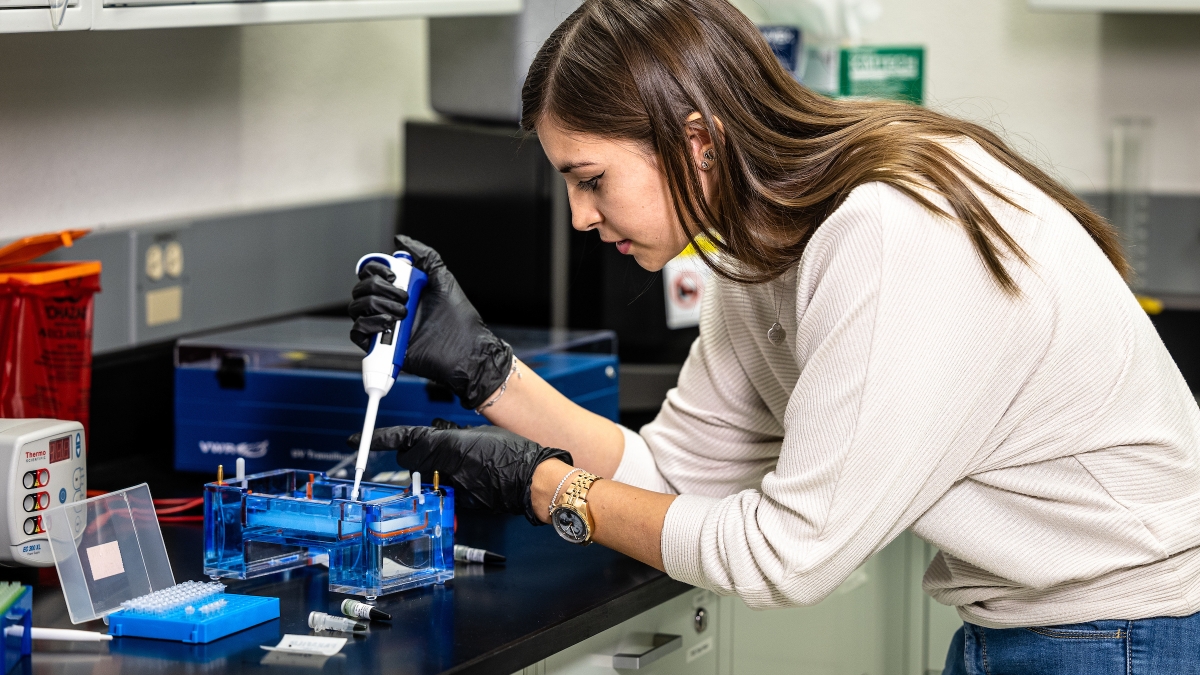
(391,539)
(192,612)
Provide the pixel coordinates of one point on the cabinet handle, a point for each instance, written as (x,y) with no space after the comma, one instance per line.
(663,645)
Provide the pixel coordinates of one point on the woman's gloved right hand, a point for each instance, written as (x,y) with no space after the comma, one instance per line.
(450,343)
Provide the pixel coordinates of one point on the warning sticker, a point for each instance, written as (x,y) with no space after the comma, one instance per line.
(684,279)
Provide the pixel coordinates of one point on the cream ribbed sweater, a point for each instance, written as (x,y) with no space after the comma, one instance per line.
(1046,444)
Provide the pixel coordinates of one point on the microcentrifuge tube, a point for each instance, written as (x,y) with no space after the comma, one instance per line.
(361,610)
(323,621)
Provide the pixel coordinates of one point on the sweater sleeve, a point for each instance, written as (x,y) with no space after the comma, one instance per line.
(714,434)
(910,355)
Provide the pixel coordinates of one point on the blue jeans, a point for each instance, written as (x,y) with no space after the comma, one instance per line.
(1158,646)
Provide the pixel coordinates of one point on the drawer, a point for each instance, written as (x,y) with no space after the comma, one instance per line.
(697,655)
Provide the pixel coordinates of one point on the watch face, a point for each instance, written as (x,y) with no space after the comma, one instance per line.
(570,525)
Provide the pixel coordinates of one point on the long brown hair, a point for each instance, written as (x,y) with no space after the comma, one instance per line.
(786,157)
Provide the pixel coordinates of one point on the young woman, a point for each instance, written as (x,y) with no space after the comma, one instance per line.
(910,326)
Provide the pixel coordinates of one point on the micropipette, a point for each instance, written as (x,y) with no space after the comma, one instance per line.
(386,356)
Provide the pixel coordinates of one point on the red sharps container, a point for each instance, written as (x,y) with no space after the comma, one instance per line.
(46,330)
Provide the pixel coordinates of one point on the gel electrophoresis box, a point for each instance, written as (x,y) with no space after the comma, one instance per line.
(394,538)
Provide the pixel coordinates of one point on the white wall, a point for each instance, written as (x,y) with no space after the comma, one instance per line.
(1054,82)
(109,129)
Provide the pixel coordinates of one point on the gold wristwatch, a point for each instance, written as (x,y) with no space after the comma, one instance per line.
(569,514)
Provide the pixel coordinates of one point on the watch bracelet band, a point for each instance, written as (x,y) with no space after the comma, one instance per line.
(578,489)
(574,498)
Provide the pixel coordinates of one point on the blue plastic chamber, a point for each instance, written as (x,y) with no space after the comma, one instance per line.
(391,540)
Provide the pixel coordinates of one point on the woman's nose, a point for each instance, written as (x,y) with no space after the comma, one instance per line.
(584,217)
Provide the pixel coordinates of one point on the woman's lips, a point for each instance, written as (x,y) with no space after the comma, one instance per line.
(623,246)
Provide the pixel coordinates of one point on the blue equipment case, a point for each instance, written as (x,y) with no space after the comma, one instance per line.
(288,394)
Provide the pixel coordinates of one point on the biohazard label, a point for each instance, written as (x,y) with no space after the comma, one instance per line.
(684,279)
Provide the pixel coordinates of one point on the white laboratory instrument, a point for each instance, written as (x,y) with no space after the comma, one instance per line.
(45,463)
(383,362)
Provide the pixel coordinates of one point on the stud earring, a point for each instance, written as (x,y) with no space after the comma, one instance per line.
(704,165)
(709,159)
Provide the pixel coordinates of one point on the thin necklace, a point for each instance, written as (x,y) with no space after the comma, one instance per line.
(776,334)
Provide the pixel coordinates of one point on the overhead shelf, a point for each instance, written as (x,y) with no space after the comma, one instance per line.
(1126,6)
(37,15)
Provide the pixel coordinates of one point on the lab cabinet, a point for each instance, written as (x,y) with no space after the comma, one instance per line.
(684,629)
(41,16)
(878,622)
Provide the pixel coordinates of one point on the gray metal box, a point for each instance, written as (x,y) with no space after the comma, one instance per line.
(477,64)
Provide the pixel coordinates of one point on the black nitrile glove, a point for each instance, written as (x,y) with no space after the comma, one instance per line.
(377,304)
(450,343)
(492,465)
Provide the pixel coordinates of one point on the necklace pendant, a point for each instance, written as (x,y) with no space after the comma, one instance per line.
(776,334)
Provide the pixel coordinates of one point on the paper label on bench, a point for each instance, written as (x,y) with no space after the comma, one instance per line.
(308,644)
(105,560)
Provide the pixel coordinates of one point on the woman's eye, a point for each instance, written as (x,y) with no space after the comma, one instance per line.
(590,184)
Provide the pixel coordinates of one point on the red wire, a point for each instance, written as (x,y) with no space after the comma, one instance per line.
(186,506)
(170,505)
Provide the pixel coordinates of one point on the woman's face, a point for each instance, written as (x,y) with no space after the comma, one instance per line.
(616,188)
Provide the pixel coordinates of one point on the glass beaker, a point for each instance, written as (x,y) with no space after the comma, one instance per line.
(1129,183)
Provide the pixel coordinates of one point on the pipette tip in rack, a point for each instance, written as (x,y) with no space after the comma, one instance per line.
(323,621)
(241,471)
(361,610)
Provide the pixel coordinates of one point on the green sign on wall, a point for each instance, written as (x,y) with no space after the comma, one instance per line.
(896,73)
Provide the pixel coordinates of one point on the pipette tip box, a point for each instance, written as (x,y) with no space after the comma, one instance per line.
(112,564)
(191,612)
(392,539)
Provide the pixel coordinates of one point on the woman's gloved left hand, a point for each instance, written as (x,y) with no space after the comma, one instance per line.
(493,465)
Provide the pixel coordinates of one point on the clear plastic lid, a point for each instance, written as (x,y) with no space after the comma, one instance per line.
(323,343)
(107,550)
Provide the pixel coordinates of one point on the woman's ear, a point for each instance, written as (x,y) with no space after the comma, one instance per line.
(700,142)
